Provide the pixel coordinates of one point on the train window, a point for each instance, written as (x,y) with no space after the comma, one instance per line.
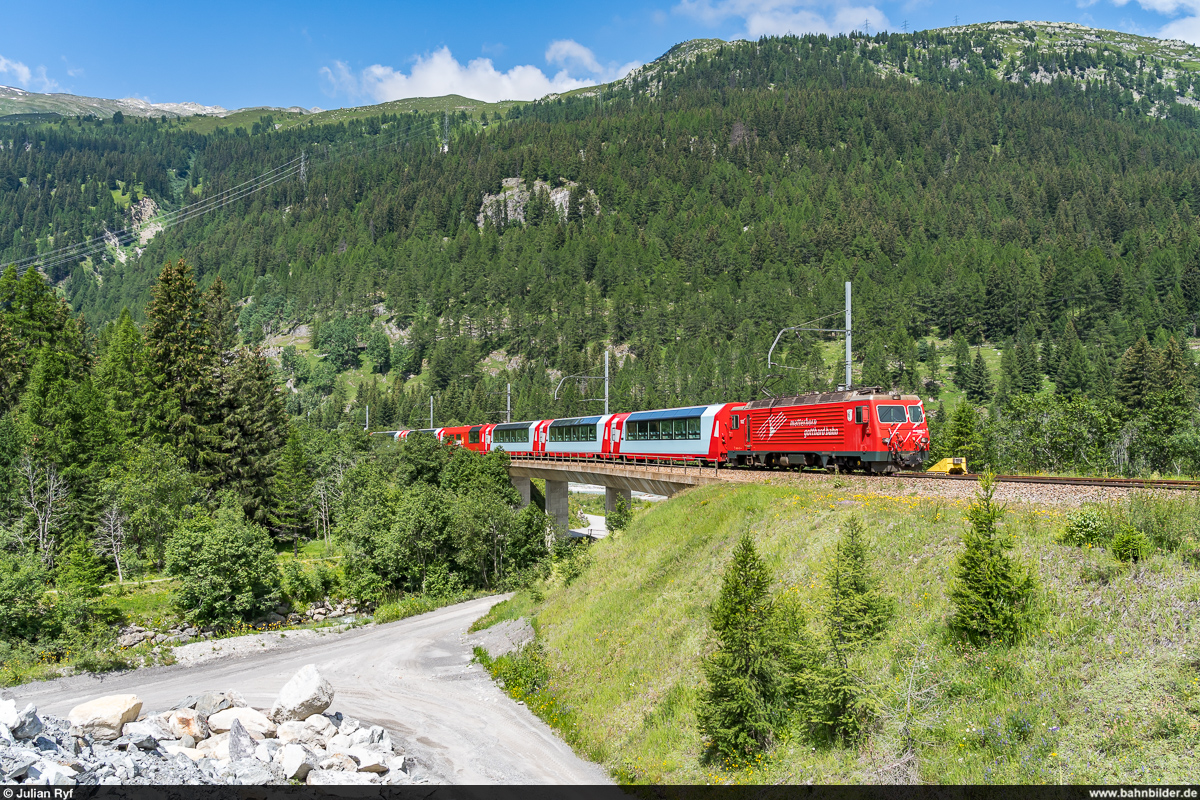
(693,428)
(915,415)
(890,414)
(859,415)
(474,437)
(733,422)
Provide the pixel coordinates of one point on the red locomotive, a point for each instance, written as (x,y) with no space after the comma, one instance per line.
(860,429)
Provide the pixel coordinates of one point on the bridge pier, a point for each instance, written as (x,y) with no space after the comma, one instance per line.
(556,504)
(523,487)
(611,493)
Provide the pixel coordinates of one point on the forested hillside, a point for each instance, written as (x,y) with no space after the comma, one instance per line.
(1037,200)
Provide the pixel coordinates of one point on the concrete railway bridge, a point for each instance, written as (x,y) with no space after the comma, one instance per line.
(619,479)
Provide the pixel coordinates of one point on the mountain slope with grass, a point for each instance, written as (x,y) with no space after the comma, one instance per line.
(1105,690)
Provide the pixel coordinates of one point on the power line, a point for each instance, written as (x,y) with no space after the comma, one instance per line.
(295,167)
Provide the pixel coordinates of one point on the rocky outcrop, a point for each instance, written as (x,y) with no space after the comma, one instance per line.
(213,738)
(509,205)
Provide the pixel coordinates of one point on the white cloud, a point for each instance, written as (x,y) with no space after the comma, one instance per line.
(26,78)
(1186,27)
(776,17)
(439,73)
(568,52)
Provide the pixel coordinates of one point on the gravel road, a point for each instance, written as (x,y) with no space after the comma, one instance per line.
(413,677)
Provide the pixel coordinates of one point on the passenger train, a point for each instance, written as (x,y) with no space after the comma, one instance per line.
(866,429)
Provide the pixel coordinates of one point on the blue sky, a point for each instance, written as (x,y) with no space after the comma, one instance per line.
(331,54)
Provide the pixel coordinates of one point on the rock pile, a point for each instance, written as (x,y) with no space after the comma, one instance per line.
(133,635)
(324,609)
(212,738)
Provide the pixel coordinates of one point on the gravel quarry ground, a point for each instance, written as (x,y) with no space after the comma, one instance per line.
(413,677)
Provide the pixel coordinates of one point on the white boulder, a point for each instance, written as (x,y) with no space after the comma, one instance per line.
(104,718)
(255,722)
(307,693)
(187,722)
(296,761)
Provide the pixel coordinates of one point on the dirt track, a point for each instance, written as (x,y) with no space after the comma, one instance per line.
(414,677)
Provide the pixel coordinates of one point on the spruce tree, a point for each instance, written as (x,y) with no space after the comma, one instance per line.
(221,320)
(963,437)
(291,492)
(178,372)
(1103,382)
(1074,371)
(252,427)
(740,706)
(1010,375)
(855,610)
(1175,372)
(992,595)
(1137,375)
(979,381)
(933,361)
(118,375)
(962,360)
(1027,361)
(874,370)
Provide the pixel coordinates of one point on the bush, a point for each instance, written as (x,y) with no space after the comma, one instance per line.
(991,594)
(1167,522)
(226,565)
(619,518)
(570,558)
(520,673)
(1085,526)
(1130,544)
(305,583)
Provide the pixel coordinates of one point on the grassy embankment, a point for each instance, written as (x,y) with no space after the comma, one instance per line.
(1106,690)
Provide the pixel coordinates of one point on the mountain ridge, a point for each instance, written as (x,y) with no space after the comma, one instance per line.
(1013,38)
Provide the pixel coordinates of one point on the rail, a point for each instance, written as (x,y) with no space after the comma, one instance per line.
(1054,480)
(715,469)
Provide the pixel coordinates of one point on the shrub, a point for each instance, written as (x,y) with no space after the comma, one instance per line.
(1085,526)
(991,594)
(1167,522)
(226,565)
(304,583)
(619,518)
(1130,544)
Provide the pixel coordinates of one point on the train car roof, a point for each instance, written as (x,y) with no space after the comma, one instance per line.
(668,413)
(818,398)
(515,426)
(562,423)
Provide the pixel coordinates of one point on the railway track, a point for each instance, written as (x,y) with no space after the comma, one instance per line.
(1119,483)
(684,468)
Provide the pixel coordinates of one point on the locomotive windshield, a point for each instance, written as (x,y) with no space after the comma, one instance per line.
(915,415)
(891,414)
